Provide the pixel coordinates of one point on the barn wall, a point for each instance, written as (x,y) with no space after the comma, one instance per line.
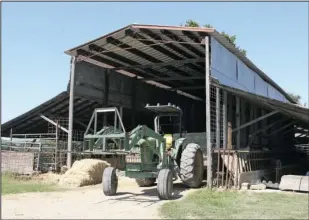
(231,71)
(91,81)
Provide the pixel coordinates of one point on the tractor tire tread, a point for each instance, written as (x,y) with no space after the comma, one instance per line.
(187,166)
(109,181)
(165,184)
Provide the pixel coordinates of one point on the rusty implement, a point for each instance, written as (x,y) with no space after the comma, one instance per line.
(294,183)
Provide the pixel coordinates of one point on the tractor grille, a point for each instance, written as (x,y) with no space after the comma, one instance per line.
(133,158)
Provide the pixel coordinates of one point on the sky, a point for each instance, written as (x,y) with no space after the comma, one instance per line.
(35,36)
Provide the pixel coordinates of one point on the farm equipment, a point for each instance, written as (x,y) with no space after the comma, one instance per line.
(150,155)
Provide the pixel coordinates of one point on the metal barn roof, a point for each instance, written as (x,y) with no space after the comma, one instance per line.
(170,55)
(153,53)
(55,107)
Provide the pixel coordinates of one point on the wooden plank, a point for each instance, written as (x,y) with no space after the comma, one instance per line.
(229,136)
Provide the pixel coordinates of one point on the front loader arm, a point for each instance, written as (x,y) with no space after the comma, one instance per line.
(143,132)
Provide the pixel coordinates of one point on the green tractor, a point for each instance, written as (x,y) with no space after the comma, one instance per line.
(150,155)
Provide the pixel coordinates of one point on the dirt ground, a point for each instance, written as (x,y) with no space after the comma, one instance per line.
(131,202)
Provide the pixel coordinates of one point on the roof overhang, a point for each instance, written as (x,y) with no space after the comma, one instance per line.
(170,57)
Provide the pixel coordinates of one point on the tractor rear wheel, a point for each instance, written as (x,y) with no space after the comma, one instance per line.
(145,182)
(165,184)
(191,166)
(109,181)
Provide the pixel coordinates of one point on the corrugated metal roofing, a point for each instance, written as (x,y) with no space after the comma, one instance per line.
(134,45)
(299,113)
(55,107)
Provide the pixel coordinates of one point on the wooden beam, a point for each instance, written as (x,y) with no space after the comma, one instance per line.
(173,62)
(280,129)
(174,78)
(255,120)
(229,136)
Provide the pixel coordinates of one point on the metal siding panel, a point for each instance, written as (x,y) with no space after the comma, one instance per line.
(245,77)
(223,64)
(260,86)
(274,94)
(223,68)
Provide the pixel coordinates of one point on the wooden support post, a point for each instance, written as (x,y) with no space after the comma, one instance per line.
(237,122)
(224,119)
(218,118)
(71,109)
(207,97)
(229,136)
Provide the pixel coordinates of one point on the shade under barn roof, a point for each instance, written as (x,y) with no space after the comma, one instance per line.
(170,55)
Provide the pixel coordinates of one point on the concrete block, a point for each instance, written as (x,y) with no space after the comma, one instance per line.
(244,186)
(258,187)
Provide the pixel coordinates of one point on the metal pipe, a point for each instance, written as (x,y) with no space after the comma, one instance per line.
(207,94)
(56,150)
(95,122)
(54,123)
(71,108)
(121,115)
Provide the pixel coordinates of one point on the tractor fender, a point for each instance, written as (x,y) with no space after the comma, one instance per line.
(178,147)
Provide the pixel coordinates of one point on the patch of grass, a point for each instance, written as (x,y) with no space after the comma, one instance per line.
(12,184)
(211,204)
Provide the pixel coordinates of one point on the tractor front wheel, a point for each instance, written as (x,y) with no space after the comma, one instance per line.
(145,182)
(109,181)
(165,184)
(191,166)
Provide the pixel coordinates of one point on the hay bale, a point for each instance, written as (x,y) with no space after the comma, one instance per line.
(50,178)
(63,169)
(83,173)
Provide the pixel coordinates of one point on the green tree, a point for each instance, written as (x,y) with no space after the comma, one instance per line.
(191,23)
(295,97)
(230,38)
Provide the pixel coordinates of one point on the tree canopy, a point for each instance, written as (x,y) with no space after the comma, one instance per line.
(297,98)
(230,38)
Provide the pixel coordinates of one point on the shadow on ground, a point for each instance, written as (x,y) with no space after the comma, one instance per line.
(148,195)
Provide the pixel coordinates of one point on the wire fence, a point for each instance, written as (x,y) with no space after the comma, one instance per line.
(25,153)
(217,122)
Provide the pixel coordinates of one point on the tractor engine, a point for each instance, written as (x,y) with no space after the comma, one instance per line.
(143,156)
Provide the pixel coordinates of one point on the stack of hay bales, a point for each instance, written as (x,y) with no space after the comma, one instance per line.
(83,173)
